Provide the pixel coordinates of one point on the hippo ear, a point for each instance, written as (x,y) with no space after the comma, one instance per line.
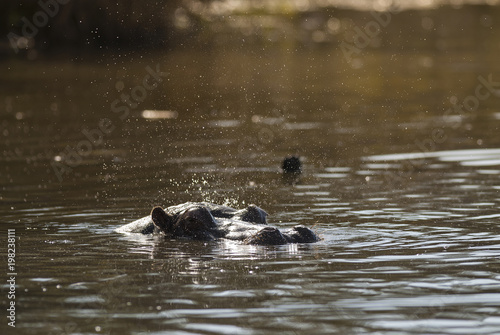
(162,220)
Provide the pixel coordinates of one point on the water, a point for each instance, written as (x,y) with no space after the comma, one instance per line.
(404,194)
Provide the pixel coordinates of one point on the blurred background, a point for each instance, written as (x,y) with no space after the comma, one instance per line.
(87,25)
(256,80)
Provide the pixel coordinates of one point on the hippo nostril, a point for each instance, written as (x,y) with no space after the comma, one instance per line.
(302,234)
(267,236)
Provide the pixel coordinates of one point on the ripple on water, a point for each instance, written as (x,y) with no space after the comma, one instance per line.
(447,155)
(219,329)
(452,326)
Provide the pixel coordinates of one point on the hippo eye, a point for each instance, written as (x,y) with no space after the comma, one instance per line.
(193,225)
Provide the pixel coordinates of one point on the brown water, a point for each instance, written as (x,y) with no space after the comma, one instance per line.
(404,194)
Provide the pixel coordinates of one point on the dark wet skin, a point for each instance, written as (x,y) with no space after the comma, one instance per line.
(196,223)
(267,236)
(272,236)
(202,222)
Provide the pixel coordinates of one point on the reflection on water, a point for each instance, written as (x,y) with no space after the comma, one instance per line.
(408,219)
(420,258)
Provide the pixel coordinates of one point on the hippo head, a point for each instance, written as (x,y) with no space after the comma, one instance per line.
(196,223)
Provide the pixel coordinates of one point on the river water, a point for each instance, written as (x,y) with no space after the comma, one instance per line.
(400,181)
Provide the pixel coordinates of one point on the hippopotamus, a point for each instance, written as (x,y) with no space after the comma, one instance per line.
(207,221)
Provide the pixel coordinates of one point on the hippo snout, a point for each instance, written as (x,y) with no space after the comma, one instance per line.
(267,236)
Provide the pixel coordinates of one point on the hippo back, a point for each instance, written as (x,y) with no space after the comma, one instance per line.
(141,226)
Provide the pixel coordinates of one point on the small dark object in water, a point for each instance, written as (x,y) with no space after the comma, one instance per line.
(292,164)
(206,221)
